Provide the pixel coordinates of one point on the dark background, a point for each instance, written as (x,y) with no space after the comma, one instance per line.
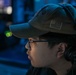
(13,58)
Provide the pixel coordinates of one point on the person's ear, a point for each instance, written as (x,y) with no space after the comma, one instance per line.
(61,49)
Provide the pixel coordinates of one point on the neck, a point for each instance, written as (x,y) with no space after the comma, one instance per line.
(62,68)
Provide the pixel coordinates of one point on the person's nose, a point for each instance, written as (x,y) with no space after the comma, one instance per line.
(27,46)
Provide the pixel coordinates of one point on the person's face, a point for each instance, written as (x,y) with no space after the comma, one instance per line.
(40,54)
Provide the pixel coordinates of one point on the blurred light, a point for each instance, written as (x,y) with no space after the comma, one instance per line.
(1,3)
(8,10)
(8,33)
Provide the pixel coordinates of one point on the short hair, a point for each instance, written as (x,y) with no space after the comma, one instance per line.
(56,38)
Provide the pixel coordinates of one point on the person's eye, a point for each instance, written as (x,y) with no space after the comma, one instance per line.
(31,41)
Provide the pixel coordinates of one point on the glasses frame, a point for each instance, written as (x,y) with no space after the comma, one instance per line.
(32,41)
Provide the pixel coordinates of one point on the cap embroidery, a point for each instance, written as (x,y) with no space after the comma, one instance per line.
(55,25)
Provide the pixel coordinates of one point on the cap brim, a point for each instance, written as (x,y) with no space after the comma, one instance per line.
(25,30)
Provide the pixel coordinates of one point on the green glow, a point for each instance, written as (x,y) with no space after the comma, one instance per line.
(8,33)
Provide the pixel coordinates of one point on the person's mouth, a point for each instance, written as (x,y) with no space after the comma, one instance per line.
(29,57)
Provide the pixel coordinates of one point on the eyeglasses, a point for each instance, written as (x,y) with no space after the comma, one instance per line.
(33,41)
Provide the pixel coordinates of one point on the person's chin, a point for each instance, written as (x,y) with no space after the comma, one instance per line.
(36,65)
